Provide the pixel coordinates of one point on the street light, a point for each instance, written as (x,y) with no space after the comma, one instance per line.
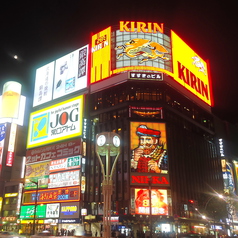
(36,198)
(107,144)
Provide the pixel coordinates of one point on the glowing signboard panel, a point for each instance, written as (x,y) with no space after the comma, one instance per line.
(66,75)
(38,172)
(20,119)
(142,202)
(63,179)
(69,210)
(149,148)
(190,70)
(58,122)
(71,73)
(3,128)
(138,46)
(52,210)
(71,194)
(29,211)
(101,55)
(55,151)
(65,164)
(44,84)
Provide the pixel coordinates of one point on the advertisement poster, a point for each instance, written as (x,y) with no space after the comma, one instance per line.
(57,122)
(148,147)
(71,72)
(38,173)
(158,198)
(64,179)
(52,210)
(65,164)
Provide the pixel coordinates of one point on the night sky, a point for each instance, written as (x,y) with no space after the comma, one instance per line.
(42,31)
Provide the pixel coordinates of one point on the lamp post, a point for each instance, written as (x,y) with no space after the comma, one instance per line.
(36,198)
(107,144)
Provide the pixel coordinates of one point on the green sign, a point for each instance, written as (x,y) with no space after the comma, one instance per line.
(42,182)
(73,161)
(27,212)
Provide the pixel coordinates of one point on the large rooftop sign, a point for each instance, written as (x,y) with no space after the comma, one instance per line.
(132,46)
(190,70)
(146,48)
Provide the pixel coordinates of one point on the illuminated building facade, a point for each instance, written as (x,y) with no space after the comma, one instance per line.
(145,83)
(151,88)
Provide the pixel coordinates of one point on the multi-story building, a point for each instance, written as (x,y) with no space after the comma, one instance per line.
(145,83)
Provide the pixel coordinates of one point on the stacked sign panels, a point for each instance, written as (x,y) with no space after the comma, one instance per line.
(53,163)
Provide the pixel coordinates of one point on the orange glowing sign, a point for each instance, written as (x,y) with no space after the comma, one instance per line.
(101,55)
(190,70)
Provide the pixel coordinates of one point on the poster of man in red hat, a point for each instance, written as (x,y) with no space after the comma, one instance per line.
(148,146)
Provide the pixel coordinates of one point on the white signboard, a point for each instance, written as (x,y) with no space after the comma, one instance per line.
(71,73)
(66,75)
(65,164)
(44,84)
(53,210)
(64,179)
(61,121)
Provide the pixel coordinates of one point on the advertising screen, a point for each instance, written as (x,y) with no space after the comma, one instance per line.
(28,211)
(71,194)
(65,164)
(156,198)
(58,122)
(69,210)
(148,148)
(66,75)
(190,70)
(64,179)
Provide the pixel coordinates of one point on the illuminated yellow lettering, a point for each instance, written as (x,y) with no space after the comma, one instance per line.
(123,26)
(159,28)
(141,27)
(149,27)
(132,26)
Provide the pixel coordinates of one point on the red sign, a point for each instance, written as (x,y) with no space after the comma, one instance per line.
(55,151)
(161,180)
(10,158)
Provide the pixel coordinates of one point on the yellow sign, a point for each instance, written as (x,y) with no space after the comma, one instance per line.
(57,122)
(9,195)
(190,70)
(37,170)
(101,55)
